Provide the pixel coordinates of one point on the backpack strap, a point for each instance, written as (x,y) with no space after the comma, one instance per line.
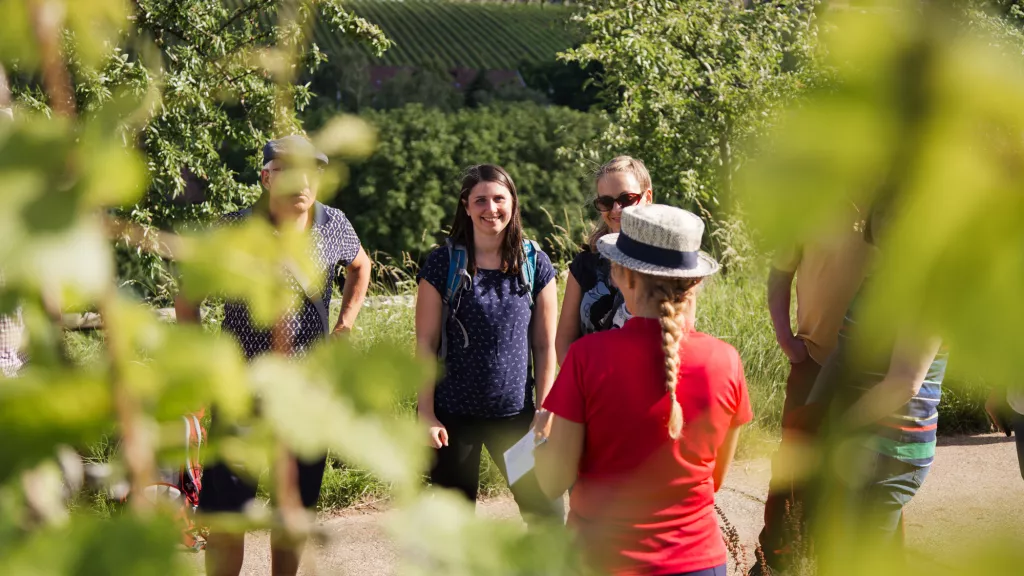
(528,277)
(458,259)
(528,273)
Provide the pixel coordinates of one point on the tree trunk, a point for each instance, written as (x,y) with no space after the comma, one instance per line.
(725,162)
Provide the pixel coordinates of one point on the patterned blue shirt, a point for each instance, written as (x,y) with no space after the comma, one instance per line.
(489,378)
(335,246)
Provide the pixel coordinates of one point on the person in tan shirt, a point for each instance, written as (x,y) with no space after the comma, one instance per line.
(828,273)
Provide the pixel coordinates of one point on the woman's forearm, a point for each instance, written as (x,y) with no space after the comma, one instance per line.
(544,372)
(425,400)
(569,319)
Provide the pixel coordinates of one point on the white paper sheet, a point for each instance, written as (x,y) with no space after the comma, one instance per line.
(519,458)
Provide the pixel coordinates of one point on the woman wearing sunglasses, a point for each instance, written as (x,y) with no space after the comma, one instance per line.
(493,324)
(591,302)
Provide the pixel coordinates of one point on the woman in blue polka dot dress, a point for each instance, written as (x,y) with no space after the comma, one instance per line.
(488,394)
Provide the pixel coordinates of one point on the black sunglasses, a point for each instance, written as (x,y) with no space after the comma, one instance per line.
(607,203)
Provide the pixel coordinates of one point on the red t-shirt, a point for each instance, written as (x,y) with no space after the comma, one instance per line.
(643,503)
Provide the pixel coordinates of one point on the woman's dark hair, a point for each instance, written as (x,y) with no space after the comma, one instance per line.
(462,227)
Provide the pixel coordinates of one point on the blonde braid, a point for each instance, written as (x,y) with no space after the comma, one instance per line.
(671,294)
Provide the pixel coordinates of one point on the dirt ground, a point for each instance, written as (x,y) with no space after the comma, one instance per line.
(974,493)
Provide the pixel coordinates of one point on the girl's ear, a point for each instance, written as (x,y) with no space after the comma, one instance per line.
(631,278)
(648,196)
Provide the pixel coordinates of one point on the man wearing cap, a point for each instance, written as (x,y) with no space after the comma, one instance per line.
(290,176)
(828,273)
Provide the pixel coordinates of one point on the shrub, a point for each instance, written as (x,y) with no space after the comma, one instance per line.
(405,194)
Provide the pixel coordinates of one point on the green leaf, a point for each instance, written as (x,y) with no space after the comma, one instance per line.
(88,545)
(46,407)
(346,136)
(374,380)
(97,24)
(440,533)
(17,43)
(249,262)
(77,263)
(183,369)
(311,418)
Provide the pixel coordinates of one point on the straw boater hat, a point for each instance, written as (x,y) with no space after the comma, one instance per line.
(661,241)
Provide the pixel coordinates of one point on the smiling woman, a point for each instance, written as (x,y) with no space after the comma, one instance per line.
(487,305)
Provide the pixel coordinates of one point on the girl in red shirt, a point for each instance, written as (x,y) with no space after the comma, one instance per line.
(647,417)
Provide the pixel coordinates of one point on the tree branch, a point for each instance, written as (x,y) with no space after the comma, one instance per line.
(241,12)
(46,26)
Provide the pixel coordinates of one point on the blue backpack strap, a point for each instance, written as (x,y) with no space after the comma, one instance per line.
(458,258)
(528,277)
(457,263)
(528,273)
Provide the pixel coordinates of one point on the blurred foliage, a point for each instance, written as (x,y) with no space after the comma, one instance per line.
(923,130)
(206,90)
(440,535)
(114,100)
(925,124)
(690,79)
(403,197)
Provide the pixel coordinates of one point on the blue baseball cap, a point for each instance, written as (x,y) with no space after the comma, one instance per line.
(294,146)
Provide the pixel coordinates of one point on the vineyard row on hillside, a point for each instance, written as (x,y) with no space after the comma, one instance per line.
(458,34)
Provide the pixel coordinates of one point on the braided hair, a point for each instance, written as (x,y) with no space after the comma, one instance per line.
(671,294)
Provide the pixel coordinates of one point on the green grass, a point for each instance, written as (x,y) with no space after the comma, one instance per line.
(734,308)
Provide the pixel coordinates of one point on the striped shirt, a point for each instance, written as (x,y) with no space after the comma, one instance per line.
(909,434)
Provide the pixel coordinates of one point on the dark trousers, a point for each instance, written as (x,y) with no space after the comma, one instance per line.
(458,465)
(786,496)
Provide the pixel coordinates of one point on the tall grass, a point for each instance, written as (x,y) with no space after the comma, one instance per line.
(734,309)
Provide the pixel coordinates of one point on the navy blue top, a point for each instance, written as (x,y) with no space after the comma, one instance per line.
(335,245)
(489,378)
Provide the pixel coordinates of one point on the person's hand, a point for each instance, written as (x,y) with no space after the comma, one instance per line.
(795,350)
(436,432)
(341,330)
(542,424)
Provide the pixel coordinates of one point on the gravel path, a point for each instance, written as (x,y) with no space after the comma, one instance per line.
(973,494)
